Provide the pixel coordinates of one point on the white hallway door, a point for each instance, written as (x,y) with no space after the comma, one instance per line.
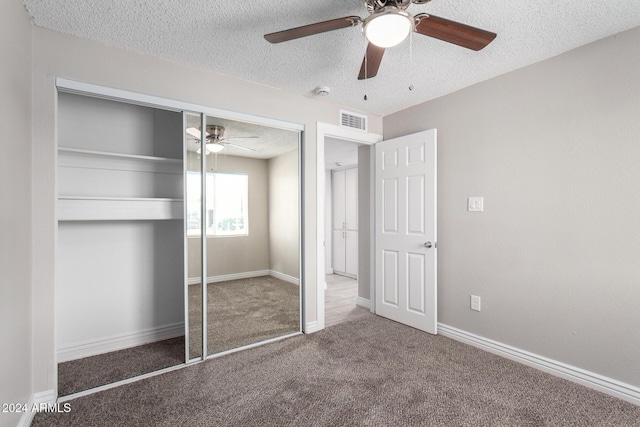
(345,221)
(406,255)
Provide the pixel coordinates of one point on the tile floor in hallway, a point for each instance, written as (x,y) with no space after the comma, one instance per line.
(340,300)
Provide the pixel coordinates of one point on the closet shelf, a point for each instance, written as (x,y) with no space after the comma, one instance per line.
(92,159)
(95,153)
(80,208)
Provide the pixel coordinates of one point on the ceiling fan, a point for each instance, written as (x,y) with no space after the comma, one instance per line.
(387,25)
(215,139)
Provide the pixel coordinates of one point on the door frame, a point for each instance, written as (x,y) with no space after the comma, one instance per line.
(324,130)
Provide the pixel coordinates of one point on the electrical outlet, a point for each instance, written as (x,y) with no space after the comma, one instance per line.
(475,303)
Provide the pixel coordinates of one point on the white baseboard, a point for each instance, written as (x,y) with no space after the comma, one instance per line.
(27,416)
(48,396)
(311,327)
(233,276)
(247,275)
(343,274)
(119,342)
(284,277)
(589,379)
(363,302)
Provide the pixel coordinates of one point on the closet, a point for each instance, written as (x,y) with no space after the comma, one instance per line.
(344,184)
(173,242)
(120,239)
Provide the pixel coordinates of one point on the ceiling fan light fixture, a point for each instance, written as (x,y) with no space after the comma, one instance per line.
(214,147)
(388,27)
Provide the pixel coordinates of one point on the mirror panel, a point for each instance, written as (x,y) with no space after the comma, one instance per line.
(252,229)
(249,198)
(193,233)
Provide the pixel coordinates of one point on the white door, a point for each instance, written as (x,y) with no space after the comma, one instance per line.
(406,280)
(339,251)
(351,252)
(351,199)
(339,198)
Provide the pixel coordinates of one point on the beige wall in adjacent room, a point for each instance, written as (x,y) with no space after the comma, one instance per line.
(15,216)
(365,239)
(237,254)
(554,149)
(284,214)
(62,55)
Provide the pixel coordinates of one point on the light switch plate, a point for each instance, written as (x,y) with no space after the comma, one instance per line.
(475,303)
(475,204)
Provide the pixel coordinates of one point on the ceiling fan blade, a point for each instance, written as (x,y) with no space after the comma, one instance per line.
(240,137)
(371,62)
(194,132)
(239,146)
(453,32)
(309,30)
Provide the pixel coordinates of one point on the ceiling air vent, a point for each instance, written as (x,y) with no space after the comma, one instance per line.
(353,120)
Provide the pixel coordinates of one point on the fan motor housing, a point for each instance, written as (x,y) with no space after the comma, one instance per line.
(215,132)
(373,5)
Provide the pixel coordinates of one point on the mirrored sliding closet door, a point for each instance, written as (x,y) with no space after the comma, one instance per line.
(178,234)
(249,240)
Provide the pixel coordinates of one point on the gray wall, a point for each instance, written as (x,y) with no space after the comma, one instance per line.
(283,214)
(237,254)
(554,150)
(328,223)
(15,216)
(365,155)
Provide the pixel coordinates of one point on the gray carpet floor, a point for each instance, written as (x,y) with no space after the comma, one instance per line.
(89,372)
(240,312)
(370,371)
(243,311)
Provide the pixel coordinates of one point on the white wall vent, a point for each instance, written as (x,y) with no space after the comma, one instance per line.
(353,120)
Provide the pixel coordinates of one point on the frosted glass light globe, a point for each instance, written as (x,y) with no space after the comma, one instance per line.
(215,147)
(388,27)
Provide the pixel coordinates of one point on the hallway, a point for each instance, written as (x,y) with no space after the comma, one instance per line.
(340,300)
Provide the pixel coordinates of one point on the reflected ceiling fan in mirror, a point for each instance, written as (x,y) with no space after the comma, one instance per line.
(387,25)
(216,140)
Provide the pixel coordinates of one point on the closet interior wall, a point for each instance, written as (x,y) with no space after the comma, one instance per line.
(120,240)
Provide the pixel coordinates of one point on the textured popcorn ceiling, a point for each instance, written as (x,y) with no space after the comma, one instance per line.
(270,142)
(227,37)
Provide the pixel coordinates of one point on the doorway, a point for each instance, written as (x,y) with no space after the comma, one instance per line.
(325,133)
(341,235)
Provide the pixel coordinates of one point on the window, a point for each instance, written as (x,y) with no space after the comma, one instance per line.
(227,207)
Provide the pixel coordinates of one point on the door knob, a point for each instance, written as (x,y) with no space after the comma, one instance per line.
(428,245)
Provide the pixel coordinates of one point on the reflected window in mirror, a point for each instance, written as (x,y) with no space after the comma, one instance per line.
(227,204)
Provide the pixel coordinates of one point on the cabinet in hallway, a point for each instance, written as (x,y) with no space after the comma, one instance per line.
(344,185)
